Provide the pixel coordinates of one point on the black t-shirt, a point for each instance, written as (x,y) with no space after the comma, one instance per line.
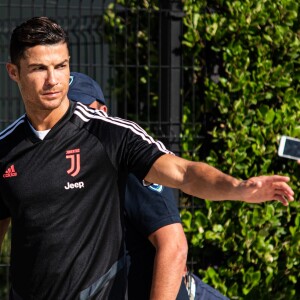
(65,197)
(147,208)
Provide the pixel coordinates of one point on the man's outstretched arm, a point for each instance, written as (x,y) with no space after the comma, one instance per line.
(206,182)
(170,261)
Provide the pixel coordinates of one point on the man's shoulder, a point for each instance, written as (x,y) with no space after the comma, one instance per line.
(12,128)
(10,136)
(88,115)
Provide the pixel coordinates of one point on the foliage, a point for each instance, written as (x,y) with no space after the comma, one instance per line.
(247,251)
(4,261)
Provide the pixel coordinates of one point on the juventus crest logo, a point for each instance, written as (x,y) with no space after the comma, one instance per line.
(74,156)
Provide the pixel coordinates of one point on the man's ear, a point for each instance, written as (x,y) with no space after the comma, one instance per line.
(12,71)
(104,108)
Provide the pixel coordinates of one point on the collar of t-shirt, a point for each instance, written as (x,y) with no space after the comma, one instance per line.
(41,133)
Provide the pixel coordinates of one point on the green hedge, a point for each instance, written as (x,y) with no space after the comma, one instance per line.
(247,251)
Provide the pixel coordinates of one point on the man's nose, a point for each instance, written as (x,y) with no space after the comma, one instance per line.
(51,78)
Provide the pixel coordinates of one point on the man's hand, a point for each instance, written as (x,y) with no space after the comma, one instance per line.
(267,188)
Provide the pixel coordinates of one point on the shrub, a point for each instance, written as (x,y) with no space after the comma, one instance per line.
(247,251)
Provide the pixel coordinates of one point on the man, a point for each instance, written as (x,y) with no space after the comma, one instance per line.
(64,170)
(155,240)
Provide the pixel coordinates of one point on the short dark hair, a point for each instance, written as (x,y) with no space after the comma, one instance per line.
(33,32)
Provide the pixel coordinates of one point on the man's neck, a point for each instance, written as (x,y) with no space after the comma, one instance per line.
(46,119)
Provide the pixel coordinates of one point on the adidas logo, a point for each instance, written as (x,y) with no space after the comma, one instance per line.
(10,172)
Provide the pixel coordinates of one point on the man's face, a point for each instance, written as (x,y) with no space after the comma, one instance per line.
(43,77)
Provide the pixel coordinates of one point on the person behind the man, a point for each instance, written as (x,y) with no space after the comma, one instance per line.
(155,240)
(64,170)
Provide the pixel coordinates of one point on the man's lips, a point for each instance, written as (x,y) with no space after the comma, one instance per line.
(51,94)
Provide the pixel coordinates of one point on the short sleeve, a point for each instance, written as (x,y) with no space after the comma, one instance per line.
(149,208)
(129,146)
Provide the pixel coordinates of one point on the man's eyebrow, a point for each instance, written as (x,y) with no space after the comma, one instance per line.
(63,62)
(35,65)
(42,65)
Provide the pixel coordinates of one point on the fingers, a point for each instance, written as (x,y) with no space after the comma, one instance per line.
(283,189)
(284,194)
(278,178)
(281,198)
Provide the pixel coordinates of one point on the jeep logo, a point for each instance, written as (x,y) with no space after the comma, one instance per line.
(76,185)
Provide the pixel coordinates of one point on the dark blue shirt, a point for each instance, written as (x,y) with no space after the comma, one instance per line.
(147,208)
